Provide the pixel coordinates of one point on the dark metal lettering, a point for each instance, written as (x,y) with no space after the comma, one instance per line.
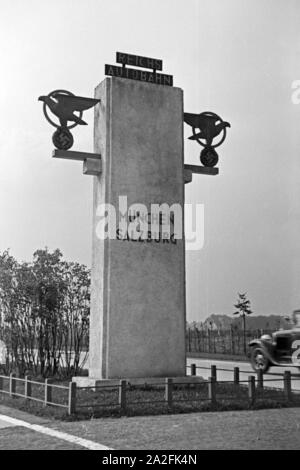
(139,61)
(141,75)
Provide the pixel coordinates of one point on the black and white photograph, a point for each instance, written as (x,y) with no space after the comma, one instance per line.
(149,228)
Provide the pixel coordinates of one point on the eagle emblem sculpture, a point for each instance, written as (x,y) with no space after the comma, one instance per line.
(64,104)
(210,126)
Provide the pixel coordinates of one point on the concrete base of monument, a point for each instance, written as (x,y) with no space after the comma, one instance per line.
(95,382)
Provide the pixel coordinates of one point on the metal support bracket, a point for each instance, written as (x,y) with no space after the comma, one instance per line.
(92,163)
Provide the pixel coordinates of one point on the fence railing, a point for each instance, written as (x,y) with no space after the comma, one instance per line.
(250,390)
(167,392)
(257,383)
(253,388)
(221,341)
(23,388)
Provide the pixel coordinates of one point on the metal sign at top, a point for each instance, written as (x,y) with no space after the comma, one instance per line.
(137,74)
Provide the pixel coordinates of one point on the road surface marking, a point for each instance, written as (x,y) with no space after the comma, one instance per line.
(54,433)
(5,424)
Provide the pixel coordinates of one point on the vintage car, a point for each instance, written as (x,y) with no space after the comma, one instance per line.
(282,348)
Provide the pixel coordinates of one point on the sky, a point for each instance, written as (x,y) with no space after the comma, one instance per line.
(238,58)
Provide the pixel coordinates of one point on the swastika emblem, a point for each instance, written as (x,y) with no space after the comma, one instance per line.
(62,138)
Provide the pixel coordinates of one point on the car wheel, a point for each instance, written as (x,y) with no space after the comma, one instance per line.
(259,360)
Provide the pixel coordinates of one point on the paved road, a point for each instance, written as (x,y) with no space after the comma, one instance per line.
(259,429)
(272,379)
(22,431)
(15,438)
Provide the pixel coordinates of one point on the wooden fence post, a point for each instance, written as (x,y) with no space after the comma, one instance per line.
(236,376)
(169,391)
(212,396)
(251,389)
(12,385)
(72,398)
(122,394)
(260,379)
(48,392)
(214,372)
(287,380)
(193,369)
(27,386)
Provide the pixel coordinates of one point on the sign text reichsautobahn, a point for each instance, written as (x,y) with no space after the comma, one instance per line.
(141,75)
(139,61)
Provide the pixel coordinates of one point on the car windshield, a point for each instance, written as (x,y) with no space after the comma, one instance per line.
(296,319)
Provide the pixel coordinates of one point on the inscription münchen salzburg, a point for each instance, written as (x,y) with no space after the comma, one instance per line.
(136,74)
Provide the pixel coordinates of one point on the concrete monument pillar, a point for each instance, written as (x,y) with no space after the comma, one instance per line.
(137,324)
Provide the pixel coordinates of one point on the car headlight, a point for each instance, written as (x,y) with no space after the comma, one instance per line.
(266,338)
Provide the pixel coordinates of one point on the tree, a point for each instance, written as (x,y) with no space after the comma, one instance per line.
(44,314)
(243,309)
